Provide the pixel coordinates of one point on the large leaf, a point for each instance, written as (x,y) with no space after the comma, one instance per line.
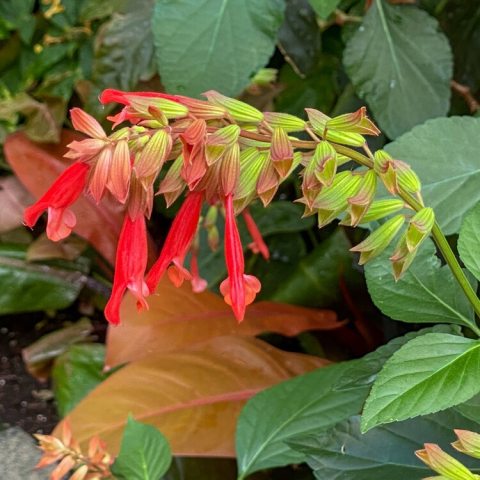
(193,396)
(144,454)
(13,199)
(305,405)
(214,44)
(315,280)
(124,51)
(428,374)
(30,287)
(444,154)
(386,452)
(404,85)
(75,373)
(469,241)
(38,165)
(427,293)
(178,318)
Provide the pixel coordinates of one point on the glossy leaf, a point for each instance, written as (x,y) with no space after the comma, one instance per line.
(13,199)
(38,165)
(428,374)
(389,37)
(144,453)
(315,280)
(449,187)
(178,318)
(305,405)
(193,396)
(232,39)
(75,373)
(30,287)
(469,241)
(384,452)
(427,293)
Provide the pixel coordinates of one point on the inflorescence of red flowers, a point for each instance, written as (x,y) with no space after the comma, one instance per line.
(221,152)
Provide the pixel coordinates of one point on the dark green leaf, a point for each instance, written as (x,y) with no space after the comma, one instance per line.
(444,154)
(306,404)
(124,51)
(469,241)
(214,44)
(314,281)
(144,453)
(190,468)
(470,408)
(29,287)
(387,452)
(428,374)
(427,293)
(324,8)
(299,37)
(403,84)
(75,373)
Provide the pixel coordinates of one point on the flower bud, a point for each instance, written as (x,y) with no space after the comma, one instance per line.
(251,165)
(407,178)
(420,227)
(356,122)
(359,204)
(172,186)
(230,169)
(240,111)
(378,240)
(217,142)
(468,443)
(281,152)
(444,464)
(268,180)
(154,154)
(142,105)
(383,165)
(377,210)
(265,76)
(288,122)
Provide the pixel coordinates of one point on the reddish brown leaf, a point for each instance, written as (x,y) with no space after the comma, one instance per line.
(193,396)
(13,199)
(179,318)
(37,165)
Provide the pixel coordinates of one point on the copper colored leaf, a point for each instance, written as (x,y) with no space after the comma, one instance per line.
(43,248)
(13,199)
(178,318)
(38,165)
(192,396)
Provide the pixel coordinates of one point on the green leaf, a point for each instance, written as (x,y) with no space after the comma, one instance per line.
(470,408)
(214,44)
(314,280)
(30,287)
(444,154)
(386,452)
(307,404)
(201,468)
(469,241)
(403,84)
(428,374)
(125,52)
(75,373)
(324,8)
(144,453)
(299,38)
(427,293)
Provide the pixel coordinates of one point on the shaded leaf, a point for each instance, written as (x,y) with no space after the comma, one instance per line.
(299,37)
(75,373)
(178,318)
(344,453)
(314,281)
(13,199)
(42,248)
(403,85)
(428,374)
(469,241)
(38,165)
(30,287)
(306,405)
(427,293)
(324,8)
(232,39)
(193,396)
(144,453)
(449,186)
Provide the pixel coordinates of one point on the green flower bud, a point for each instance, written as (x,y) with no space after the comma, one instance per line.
(359,204)
(468,443)
(240,111)
(288,122)
(377,210)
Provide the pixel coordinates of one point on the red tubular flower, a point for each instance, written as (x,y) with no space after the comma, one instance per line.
(64,191)
(258,245)
(179,238)
(118,96)
(238,290)
(130,265)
